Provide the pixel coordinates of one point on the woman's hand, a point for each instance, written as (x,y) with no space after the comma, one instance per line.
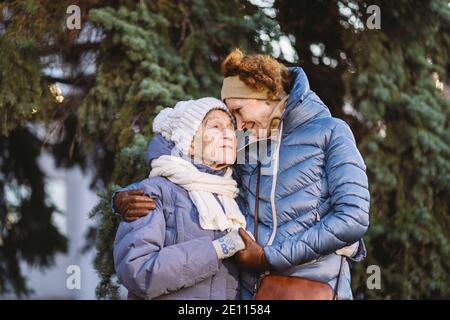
(253,257)
(133,204)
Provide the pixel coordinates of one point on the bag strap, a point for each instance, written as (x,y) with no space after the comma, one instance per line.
(341,268)
(256,213)
(257,279)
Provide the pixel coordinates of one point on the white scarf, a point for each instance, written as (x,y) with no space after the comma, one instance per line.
(201,187)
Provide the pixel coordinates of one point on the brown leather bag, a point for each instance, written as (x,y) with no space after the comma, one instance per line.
(280,287)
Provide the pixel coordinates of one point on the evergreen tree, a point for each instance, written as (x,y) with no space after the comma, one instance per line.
(400,117)
(26,229)
(157,54)
(147,55)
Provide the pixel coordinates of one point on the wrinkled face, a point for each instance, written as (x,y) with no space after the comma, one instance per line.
(252,115)
(215,142)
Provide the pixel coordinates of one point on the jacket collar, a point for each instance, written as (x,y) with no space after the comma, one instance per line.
(297,112)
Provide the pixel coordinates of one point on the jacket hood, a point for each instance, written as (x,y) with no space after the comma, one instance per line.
(157,147)
(303,104)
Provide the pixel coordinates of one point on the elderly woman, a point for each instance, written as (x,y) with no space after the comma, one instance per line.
(180,251)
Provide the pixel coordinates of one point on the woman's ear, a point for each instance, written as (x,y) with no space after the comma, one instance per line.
(192,149)
(195,147)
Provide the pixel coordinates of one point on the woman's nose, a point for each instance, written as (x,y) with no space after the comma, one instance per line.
(228,135)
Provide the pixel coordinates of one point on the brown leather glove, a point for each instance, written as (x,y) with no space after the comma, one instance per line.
(133,204)
(252,258)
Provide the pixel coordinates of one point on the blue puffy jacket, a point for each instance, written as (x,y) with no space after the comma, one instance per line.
(315,200)
(167,255)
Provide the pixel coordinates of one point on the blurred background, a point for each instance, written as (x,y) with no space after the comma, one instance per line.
(80,82)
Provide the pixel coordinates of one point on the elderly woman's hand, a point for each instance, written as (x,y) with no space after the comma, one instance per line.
(133,204)
(228,245)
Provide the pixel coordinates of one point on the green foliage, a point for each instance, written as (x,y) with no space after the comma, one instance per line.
(401,122)
(130,157)
(147,55)
(408,150)
(22,90)
(153,55)
(26,230)
(107,226)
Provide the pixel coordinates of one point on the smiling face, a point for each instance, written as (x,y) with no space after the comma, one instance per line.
(215,142)
(252,115)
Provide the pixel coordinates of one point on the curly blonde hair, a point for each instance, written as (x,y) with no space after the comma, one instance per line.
(258,71)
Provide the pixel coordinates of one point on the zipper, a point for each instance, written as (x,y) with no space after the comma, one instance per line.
(274,184)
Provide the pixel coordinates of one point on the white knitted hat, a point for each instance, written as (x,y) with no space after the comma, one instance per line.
(180,124)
